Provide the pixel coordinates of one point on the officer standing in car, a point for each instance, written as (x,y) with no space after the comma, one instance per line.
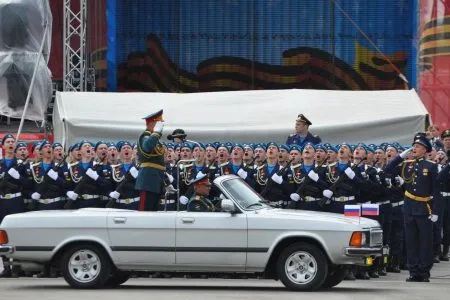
(150,179)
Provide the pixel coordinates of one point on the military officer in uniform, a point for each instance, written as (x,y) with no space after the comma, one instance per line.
(150,179)
(421,185)
(199,201)
(178,136)
(302,134)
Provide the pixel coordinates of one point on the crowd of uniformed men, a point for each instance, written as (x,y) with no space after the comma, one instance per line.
(410,184)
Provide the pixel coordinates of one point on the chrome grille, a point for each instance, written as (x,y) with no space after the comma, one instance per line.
(376,237)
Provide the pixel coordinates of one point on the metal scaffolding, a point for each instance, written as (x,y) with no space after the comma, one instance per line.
(75,46)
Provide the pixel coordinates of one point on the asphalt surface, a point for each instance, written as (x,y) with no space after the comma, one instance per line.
(392,286)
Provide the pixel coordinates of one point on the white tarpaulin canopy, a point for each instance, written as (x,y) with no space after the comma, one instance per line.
(243,116)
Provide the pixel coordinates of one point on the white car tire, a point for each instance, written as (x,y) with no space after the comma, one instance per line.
(86,266)
(302,266)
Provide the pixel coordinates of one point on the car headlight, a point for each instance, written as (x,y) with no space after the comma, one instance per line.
(358,239)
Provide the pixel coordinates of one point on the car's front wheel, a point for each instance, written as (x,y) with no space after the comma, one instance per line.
(302,266)
(85,266)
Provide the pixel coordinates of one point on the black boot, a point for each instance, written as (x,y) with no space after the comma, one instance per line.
(350,274)
(444,255)
(394,265)
(436,259)
(382,271)
(374,274)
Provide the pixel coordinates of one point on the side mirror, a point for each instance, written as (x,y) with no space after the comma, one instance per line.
(227,206)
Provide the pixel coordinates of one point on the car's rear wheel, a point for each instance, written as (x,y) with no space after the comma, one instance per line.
(117,278)
(85,266)
(302,266)
(334,277)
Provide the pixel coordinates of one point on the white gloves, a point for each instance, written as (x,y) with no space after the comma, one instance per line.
(72,195)
(158,127)
(327,193)
(35,196)
(399,180)
(295,197)
(114,195)
(91,173)
(184,200)
(313,175)
(350,173)
(170,189)
(14,174)
(134,172)
(170,177)
(433,218)
(277,178)
(52,174)
(405,153)
(364,174)
(242,173)
(388,181)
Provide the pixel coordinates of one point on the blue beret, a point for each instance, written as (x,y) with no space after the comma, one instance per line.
(73,147)
(177,146)
(345,145)
(153,115)
(260,146)
(379,147)
(54,145)
(321,146)
(248,146)
(285,147)
(362,145)
(81,143)
(7,136)
(20,145)
(42,144)
(314,146)
(170,146)
(123,143)
(332,148)
(111,145)
(212,145)
(238,146)
(296,147)
(186,145)
(272,144)
(223,145)
(199,145)
(99,143)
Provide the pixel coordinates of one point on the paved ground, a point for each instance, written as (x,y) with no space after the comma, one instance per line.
(391,287)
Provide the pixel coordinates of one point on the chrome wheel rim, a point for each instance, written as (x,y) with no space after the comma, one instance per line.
(84,266)
(301,267)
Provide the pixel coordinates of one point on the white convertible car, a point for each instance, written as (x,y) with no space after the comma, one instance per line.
(96,247)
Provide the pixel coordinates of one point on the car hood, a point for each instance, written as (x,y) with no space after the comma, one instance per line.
(317,216)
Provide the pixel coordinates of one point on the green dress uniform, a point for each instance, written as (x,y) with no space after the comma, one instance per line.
(150,179)
(200,203)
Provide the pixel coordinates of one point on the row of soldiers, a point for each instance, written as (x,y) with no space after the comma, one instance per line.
(319,177)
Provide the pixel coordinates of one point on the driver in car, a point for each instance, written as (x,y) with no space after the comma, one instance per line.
(198,201)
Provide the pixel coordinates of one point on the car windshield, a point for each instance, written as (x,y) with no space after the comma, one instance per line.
(243,194)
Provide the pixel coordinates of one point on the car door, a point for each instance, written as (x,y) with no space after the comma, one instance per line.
(211,239)
(142,238)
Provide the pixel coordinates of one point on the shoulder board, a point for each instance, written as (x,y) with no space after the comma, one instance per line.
(224,164)
(212,167)
(260,167)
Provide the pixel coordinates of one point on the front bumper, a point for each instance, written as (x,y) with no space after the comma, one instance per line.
(364,252)
(6,249)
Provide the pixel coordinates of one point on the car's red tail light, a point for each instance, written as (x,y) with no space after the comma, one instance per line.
(3,237)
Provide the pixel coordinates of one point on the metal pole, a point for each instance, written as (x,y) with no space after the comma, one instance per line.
(30,89)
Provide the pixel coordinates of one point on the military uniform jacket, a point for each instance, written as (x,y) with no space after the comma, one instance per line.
(269,189)
(10,185)
(421,184)
(392,189)
(124,182)
(444,178)
(227,168)
(46,186)
(295,139)
(86,185)
(340,184)
(305,186)
(370,187)
(200,203)
(151,159)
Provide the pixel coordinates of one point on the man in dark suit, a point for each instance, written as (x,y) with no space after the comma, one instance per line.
(302,135)
(150,179)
